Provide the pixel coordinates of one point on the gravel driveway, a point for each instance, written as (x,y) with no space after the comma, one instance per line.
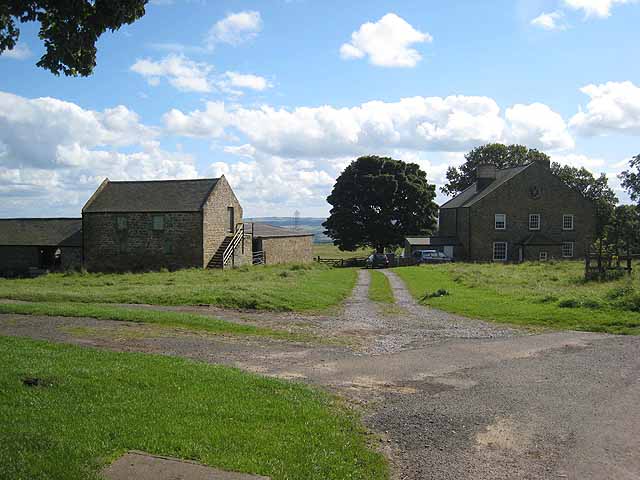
(452,398)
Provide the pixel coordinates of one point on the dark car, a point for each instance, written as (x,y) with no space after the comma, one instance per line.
(377,260)
(431,256)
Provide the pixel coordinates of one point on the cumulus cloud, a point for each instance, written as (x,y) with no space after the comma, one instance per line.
(235,28)
(550,21)
(538,126)
(54,153)
(181,72)
(386,42)
(614,107)
(231,81)
(580,160)
(596,8)
(20,52)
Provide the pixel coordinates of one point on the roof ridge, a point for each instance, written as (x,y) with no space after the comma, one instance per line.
(208,179)
(40,218)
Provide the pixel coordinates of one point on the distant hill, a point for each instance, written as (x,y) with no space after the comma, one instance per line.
(305,224)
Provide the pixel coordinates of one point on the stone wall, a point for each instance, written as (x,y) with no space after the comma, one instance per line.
(17,260)
(139,246)
(215,223)
(536,190)
(286,249)
(71,258)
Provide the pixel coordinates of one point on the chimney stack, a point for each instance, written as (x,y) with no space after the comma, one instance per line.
(485,174)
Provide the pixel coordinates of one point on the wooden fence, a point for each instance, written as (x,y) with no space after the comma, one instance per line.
(362,262)
(604,266)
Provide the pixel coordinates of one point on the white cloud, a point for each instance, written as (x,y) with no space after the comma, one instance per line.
(20,52)
(386,42)
(580,160)
(538,126)
(550,21)
(181,72)
(235,28)
(53,154)
(248,81)
(614,107)
(596,8)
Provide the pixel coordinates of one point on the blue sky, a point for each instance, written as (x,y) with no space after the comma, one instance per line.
(279,96)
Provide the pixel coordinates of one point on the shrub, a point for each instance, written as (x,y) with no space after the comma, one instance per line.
(593,304)
(630,302)
(619,292)
(569,303)
(441,292)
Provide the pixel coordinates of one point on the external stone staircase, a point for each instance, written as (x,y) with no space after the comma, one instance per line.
(217,261)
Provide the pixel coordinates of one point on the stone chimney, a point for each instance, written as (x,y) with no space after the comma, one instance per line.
(485,174)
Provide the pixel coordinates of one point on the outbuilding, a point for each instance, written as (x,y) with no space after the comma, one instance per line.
(275,245)
(29,245)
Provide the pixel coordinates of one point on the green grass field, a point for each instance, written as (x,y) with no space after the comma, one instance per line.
(284,288)
(536,294)
(93,405)
(380,289)
(329,250)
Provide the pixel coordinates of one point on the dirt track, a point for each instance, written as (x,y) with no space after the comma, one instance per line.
(453,398)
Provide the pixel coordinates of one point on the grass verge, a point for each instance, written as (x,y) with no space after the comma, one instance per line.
(534,294)
(380,288)
(189,321)
(93,405)
(282,288)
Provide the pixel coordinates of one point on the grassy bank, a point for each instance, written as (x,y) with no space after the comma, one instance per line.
(537,294)
(329,250)
(93,405)
(188,321)
(380,289)
(285,288)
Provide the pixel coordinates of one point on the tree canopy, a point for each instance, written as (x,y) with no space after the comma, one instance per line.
(502,156)
(631,179)
(69,29)
(377,202)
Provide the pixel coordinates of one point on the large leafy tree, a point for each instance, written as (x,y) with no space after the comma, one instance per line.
(624,229)
(502,156)
(593,188)
(631,179)
(377,201)
(69,28)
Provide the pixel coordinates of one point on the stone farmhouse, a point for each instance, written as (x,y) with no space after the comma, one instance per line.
(517,214)
(149,225)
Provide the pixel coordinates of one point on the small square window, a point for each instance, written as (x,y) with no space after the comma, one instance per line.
(534,221)
(544,256)
(500,251)
(501,221)
(567,249)
(158,222)
(121,223)
(567,222)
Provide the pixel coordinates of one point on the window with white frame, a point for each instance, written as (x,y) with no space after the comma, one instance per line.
(501,221)
(158,222)
(534,221)
(544,256)
(567,222)
(500,251)
(567,249)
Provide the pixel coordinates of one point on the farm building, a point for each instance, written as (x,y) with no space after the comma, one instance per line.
(32,244)
(516,214)
(281,245)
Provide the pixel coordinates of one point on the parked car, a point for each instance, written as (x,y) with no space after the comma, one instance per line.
(377,260)
(431,256)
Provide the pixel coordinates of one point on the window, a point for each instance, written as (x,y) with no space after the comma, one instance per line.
(567,249)
(158,222)
(501,221)
(121,223)
(232,220)
(500,251)
(534,221)
(567,222)
(544,256)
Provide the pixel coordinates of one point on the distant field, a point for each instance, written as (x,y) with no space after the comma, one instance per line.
(329,250)
(92,406)
(285,288)
(536,294)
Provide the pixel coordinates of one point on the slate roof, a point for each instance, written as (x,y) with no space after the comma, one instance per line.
(151,196)
(41,232)
(264,230)
(468,197)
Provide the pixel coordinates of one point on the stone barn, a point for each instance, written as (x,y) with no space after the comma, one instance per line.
(173,224)
(37,244)
(281,245)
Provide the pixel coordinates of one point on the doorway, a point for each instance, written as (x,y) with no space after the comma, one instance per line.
(232,219)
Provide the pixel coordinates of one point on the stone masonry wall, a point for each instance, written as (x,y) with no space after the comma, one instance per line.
(17,260)
(139,247)
(287,249)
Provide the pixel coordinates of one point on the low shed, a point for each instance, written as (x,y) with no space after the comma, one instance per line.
(281,245)
(442,244)
(39,243)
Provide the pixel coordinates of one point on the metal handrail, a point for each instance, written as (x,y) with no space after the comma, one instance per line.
(235,241)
